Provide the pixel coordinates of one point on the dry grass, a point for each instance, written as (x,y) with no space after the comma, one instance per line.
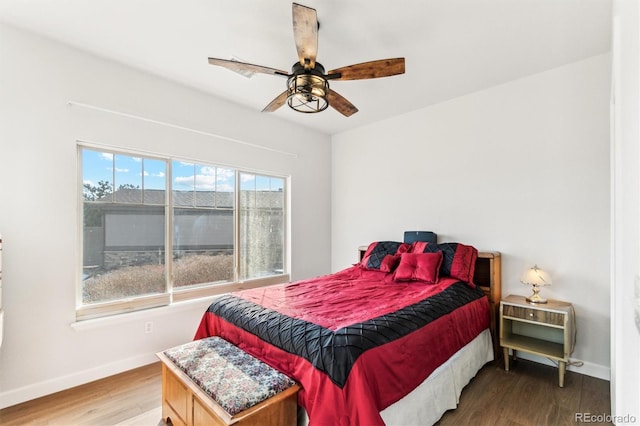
(198,269)
(134,281)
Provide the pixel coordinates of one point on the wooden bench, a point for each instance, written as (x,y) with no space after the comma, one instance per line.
(212,382)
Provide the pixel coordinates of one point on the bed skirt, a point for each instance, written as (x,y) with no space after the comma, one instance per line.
(440,391)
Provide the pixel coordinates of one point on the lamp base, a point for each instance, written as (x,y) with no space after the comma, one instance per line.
(535,297)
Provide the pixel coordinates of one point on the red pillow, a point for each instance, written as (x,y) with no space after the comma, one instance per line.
(458,260)
(419,267)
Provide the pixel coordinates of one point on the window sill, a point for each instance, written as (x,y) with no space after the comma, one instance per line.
(182,301)
(146,314)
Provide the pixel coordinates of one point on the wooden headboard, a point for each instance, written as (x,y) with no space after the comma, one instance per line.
(487,276)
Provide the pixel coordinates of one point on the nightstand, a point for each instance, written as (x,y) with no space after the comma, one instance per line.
(541,329)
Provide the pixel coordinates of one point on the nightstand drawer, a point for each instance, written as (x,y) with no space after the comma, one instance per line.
(537,315)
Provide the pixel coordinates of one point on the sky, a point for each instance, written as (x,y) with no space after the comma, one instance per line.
(151,173)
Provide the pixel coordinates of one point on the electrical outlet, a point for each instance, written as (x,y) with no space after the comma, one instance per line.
(148,327)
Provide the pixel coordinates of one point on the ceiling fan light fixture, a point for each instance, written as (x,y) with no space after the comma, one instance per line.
(307,92)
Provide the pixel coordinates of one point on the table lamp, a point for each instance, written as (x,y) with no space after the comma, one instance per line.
(536,278)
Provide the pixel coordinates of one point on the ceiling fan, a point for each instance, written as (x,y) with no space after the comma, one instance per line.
(308,84)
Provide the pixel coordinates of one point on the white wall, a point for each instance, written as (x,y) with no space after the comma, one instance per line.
(42,352)
(625,200)
(521,168)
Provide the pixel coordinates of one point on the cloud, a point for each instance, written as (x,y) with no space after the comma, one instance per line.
(183,179)
(205,182)
(155,175)
(208,170)
(225,174)
(201,181)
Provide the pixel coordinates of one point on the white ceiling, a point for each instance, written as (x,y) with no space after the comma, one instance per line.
(452,47)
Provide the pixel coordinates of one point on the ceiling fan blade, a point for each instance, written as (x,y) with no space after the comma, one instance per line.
(243,66)
(305,34)
(372,69)
(277,102)
(341,104)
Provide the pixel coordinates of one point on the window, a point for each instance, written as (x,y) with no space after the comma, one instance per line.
(157,230)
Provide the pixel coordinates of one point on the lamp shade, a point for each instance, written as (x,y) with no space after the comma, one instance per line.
(536,277)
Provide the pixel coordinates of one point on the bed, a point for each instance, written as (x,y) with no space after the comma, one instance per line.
(365,343)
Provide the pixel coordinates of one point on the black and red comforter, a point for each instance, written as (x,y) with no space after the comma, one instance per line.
(356,341)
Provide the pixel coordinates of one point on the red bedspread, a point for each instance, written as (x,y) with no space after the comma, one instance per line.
(383,332)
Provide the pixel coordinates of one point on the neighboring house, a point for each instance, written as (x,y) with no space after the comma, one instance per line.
(119,231)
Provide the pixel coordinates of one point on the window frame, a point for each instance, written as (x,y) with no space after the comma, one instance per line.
(175,294)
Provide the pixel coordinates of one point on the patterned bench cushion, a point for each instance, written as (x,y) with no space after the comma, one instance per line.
(232,377)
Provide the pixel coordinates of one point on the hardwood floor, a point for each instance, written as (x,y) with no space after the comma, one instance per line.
(526,395)
(104,402)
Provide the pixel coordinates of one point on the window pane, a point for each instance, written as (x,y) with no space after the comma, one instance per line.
(183,182)
(262,222)
(247,191)
(203,246)
(203,224)
(205,184)
(123,243)
(154,181)
(277,188)
(128,179)
(225,187)
(97,176)
(123,252)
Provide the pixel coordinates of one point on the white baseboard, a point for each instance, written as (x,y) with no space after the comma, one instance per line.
(37,390)
(588,368)
(56,384)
